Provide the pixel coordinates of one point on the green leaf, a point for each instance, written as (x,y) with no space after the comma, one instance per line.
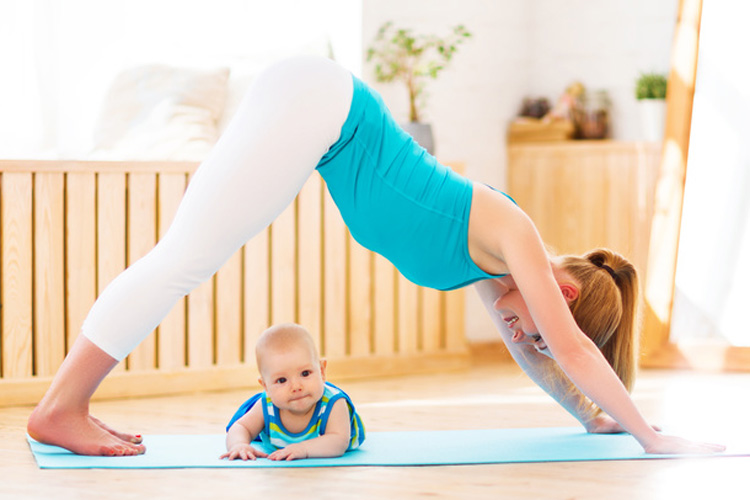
(399,54)
(651,86)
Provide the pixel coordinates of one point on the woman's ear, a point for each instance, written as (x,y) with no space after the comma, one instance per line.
(569,291)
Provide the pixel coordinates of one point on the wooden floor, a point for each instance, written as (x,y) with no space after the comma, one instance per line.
(489,395)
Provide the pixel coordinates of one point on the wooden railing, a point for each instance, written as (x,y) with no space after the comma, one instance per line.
(68,228)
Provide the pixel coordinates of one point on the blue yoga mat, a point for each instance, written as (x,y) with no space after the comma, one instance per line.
(457,447)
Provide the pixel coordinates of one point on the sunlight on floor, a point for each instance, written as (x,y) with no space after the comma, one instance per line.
(700,406)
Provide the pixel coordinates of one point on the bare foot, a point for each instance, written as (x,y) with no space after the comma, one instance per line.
(130,438)
(80,433)
(62,417)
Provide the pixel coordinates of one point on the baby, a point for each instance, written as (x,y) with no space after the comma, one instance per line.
(299,414)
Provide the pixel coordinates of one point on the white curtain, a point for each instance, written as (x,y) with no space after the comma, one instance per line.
(58,57)
(27,79)
(713,270)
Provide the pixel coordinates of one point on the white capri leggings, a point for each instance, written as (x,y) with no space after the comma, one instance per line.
(290,117)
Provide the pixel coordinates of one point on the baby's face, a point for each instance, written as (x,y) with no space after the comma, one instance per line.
(293,378)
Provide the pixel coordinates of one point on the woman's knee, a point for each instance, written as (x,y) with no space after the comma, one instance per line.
(178,270)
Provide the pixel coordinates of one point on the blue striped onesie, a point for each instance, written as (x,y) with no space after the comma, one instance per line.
(275,436)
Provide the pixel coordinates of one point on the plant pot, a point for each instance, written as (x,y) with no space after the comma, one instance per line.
(653,115)
(422,133)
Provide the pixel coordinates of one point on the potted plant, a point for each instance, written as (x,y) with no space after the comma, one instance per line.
(651,92)
(400,55)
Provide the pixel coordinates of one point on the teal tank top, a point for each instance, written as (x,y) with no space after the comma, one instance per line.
(397,200)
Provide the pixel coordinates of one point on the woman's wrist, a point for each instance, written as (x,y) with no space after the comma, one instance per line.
(647,437)
(592,423)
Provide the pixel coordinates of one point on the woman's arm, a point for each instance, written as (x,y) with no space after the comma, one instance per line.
(517,243)
(574,352)
(544,371)
(536,365)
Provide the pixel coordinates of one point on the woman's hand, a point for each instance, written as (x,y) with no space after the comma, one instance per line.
(244,452)
(604,424)
(672,444)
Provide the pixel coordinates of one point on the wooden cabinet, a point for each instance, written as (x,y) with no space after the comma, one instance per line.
(587,194)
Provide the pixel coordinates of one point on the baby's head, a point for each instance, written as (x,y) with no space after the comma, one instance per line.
(291,371)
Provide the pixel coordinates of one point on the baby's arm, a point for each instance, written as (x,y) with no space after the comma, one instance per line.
(333,443)
(242,433)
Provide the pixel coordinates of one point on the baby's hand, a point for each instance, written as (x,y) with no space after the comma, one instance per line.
(243,451)
(291,452)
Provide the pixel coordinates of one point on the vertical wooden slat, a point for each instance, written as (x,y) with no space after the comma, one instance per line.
(110,230)
(310,234)
(408,311)
(141,239)
(452,306)
(200,329)
(49,279)
(228,311)
(432,320)
(200,322)
(385,277)
(334,281)
(283,267)
(597,202)
(80,254)
(172,329)
(621,186)
(257,292)
(359,303)
(455,339)
(16,274)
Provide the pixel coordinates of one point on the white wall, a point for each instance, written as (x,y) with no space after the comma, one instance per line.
(605,44)
(524,47)
(472,100)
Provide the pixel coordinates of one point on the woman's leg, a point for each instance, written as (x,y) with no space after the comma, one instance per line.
(62,417)
(291,116)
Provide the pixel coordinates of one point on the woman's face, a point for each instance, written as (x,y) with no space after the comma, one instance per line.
(517,318)
(512,308)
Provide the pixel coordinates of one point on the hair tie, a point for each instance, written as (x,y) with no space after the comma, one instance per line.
(606,268)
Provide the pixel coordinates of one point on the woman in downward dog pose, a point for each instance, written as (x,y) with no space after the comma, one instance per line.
(439,229)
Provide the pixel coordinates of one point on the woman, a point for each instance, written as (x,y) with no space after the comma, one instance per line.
(438,228)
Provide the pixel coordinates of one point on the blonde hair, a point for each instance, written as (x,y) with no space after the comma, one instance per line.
(282,337)
(606,308)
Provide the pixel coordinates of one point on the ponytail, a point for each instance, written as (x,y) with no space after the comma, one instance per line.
(606,308)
